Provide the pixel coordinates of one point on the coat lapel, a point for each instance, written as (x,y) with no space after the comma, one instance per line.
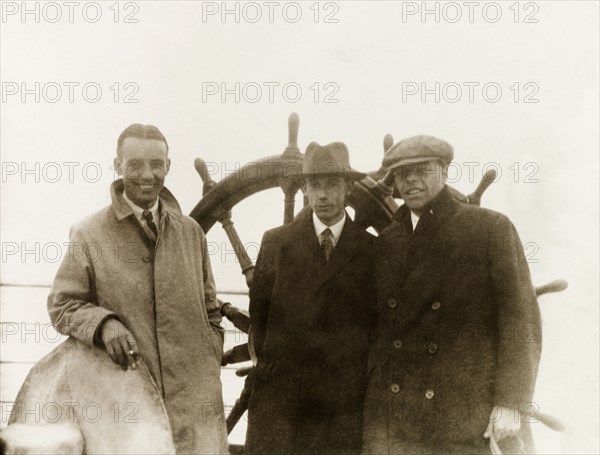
(169,204)
(303,240)
(424,261)
(169,209)
(396,264)
(346,248)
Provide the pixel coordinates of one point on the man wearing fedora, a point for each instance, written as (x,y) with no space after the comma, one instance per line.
(459,341)
(312,310)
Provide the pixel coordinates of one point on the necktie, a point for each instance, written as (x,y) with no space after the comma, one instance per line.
(327,242)
(147,214)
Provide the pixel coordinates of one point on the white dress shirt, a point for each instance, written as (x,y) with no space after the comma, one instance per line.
(415,219)
(335,229)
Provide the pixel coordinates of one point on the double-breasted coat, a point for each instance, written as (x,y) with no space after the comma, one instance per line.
(312,323)
(459,332)
(164,293)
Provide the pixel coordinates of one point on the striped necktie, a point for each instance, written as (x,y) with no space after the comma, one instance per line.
(147,214)
(327,242)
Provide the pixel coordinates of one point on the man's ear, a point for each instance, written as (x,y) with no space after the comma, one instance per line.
(303,186)
(117,166)
(168,165)
(445,172)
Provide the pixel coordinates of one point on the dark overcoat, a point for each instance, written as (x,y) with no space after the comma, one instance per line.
(459,332)
(312,325)
(165,295)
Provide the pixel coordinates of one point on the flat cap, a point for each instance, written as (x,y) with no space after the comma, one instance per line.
(417,149)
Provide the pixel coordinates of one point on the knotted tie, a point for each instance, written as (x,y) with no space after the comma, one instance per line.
(147,214)
(327,242)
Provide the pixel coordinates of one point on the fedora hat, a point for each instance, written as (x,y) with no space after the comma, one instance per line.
(331,160)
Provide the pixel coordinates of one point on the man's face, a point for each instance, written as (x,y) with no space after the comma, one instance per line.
(326,196)
(143,165)
(419,183)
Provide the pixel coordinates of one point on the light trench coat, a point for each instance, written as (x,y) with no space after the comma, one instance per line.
(165,295)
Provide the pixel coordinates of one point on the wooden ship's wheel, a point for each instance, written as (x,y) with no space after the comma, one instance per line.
(374,202)
(372,198)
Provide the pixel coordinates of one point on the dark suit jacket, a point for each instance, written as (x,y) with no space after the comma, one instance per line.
(458,318)
(312,325)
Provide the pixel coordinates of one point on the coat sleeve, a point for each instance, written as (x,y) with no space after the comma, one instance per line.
(261,290)
(213,308)
(519,322)
(72,303)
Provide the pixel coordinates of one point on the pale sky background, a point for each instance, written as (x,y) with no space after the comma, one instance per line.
(370,55)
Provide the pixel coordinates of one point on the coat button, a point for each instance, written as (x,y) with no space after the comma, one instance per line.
(392,303)
(146,258)
(397,344)
(429,394)
(395,388)
(432,348)
(436,306)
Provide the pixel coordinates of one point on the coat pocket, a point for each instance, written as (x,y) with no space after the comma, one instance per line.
(264,369)
(216,340)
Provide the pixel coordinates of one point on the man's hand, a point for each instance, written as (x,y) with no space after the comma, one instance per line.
(502,423)
(119,343)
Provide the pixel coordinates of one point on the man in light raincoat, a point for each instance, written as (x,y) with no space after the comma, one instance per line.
(137,282)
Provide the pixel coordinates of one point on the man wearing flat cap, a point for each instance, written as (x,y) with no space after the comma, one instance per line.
(313,314)
(459,341)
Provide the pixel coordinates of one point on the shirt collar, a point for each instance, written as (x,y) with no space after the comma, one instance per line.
(414,218)
(138,211)
(438,210)
(335,229)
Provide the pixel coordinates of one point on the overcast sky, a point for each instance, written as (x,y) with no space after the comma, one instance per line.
(509,85)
